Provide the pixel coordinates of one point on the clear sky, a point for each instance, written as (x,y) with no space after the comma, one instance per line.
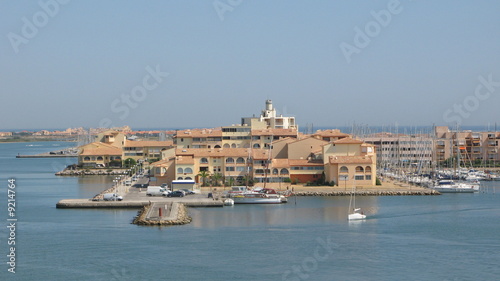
(176,64)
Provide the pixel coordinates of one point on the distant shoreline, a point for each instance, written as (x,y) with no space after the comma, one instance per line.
(35,139)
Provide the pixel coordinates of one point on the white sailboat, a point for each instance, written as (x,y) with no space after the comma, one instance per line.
(356,213)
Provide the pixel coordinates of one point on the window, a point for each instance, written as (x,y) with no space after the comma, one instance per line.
(256,145)
(344,169)
(229,160)
(86,158)
(359,169)
(179,178)
(229,169)
(180,171)
(284,171)
(203,161)
(188,178)
(368,177)
(240,160)
(368,169)
(359,177)
(99,158)
(188,171)
(275,171)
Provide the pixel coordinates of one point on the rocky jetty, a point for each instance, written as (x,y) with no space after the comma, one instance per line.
(179,216)
(94,172)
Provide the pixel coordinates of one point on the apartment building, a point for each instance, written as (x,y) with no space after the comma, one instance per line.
(475,147)
(350,162)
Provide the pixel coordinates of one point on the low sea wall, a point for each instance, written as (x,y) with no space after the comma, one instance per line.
(368,193)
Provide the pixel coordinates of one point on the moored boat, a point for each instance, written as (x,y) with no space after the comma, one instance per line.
(450,186)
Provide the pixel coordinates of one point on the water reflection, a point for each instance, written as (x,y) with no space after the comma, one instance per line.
(92,185)
(307,211)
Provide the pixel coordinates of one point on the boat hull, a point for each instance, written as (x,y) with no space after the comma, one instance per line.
(454,190)
(356,216)
(249,200)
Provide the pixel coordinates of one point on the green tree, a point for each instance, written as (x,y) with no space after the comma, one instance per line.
(129,162)
(230,181)
(204,175)
(216,178)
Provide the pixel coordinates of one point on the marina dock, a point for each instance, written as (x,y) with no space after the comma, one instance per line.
(88,203)
(69,152)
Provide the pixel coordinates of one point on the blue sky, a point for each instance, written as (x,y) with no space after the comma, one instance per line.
(420,66)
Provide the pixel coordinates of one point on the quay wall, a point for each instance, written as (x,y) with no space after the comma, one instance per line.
(368,193)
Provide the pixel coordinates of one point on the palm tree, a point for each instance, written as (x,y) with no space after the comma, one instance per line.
(230,181)
(216,178)
(204,175)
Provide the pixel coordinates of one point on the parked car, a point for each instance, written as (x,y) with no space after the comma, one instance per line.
(177,193)
(112,197)
(188,192)
(157,191)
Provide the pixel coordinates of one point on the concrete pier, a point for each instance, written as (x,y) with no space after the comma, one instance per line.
(88,203)
(163,214)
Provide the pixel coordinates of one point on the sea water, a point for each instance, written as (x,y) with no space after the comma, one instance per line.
(447,237)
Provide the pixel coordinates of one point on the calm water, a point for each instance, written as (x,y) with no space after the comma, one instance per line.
(448,237)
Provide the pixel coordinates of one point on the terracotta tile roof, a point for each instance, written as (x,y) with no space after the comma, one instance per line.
(186,160)
(331,133)
(348,141)
(99,148)
(280,163)
(260,154)
(286,140)
(149,143)
(350,160)
(163,162)
(312,138)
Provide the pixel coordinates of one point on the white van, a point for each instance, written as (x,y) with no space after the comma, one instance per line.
(112,197)
(157,191)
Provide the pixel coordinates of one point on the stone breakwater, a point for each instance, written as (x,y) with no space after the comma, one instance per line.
(368,193)
(180,218)
(76,173)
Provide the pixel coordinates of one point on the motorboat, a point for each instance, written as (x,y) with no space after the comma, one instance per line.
(451,186)
(256,196)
